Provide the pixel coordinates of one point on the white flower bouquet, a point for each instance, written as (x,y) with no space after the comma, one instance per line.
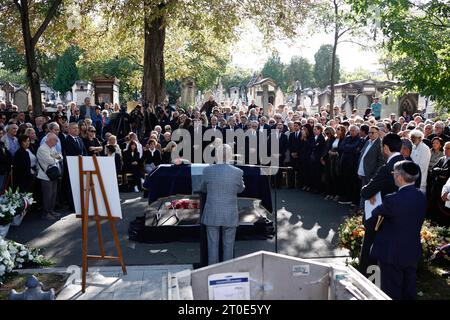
(14,255)
(13,206)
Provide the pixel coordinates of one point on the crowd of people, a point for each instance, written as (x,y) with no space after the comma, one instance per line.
(330,153)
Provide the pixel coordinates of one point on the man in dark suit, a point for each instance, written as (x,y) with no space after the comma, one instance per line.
(294,149)
(349,152)
(208,106)
(370,158)
(75,117)
(317,152)
(86,110)
(283,145)
(397,246)
(382,182)
(252,144)
(73,144)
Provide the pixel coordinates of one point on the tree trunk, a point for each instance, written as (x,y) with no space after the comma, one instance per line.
(30,58)
(153,84)
(333,75)
(333,59)
(34,82)
(30,49)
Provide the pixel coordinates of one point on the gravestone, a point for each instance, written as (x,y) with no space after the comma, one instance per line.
(199,99)
(279,97)
(188,90)
(306,102)
(82,89)
(347,107)
(21,99)
(362,102)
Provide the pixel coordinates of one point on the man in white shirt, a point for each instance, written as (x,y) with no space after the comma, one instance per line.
(421,155)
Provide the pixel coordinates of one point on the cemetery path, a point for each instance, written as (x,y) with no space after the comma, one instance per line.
(307,228)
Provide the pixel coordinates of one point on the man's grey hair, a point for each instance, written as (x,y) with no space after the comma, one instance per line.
(49,136)
(53,125)
(398,168)
(439,124)
(407,144)
(353,127)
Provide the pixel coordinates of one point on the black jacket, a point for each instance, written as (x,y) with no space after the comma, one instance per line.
(373,160)
(72,148)
(319,148)
(156,159)
(129,158)
(22,176)
(383,181)
(5,159)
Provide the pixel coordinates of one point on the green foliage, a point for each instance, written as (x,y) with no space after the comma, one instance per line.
(66,70)
(236,77)
(173,90)
(299,69)
(322,67)
(11,60)
(359,74)
(275,69)
(19,78)
(417,37)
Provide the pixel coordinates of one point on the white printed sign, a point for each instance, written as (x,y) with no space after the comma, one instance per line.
(300,270)
(229,286)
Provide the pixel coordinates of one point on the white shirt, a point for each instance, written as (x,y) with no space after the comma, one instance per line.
(406,185)
(335,144)
(33,160)
(421,155)
(392,156)
(446,189)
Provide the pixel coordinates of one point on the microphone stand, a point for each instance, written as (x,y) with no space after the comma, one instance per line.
(274,207)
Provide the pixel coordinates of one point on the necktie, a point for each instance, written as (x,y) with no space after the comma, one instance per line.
(79,144)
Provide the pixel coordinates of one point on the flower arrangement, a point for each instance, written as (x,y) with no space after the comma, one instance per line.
(12,204)
(351,233)
(433,238)
(14,255)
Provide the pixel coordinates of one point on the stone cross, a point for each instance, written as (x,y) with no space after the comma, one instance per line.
(33,291)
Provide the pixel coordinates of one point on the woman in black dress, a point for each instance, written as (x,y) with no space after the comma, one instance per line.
(306,146)
(24,166)
(131,164)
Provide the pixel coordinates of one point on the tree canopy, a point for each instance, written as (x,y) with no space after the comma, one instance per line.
(417,37)
(322,66)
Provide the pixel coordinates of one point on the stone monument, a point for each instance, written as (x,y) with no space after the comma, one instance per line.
(188,90)
(21,99)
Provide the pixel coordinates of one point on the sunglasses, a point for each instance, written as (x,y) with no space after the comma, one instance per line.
(92,131)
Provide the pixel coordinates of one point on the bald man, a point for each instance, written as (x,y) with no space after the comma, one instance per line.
(47,157)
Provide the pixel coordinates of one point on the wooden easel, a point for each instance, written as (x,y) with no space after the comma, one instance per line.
(85,192)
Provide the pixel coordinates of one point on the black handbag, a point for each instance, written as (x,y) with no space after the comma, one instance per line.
(52,172)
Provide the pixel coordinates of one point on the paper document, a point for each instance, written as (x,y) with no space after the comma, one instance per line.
(229,286)
(368,207)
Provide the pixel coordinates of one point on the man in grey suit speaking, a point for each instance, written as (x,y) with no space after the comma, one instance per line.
(221,182)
